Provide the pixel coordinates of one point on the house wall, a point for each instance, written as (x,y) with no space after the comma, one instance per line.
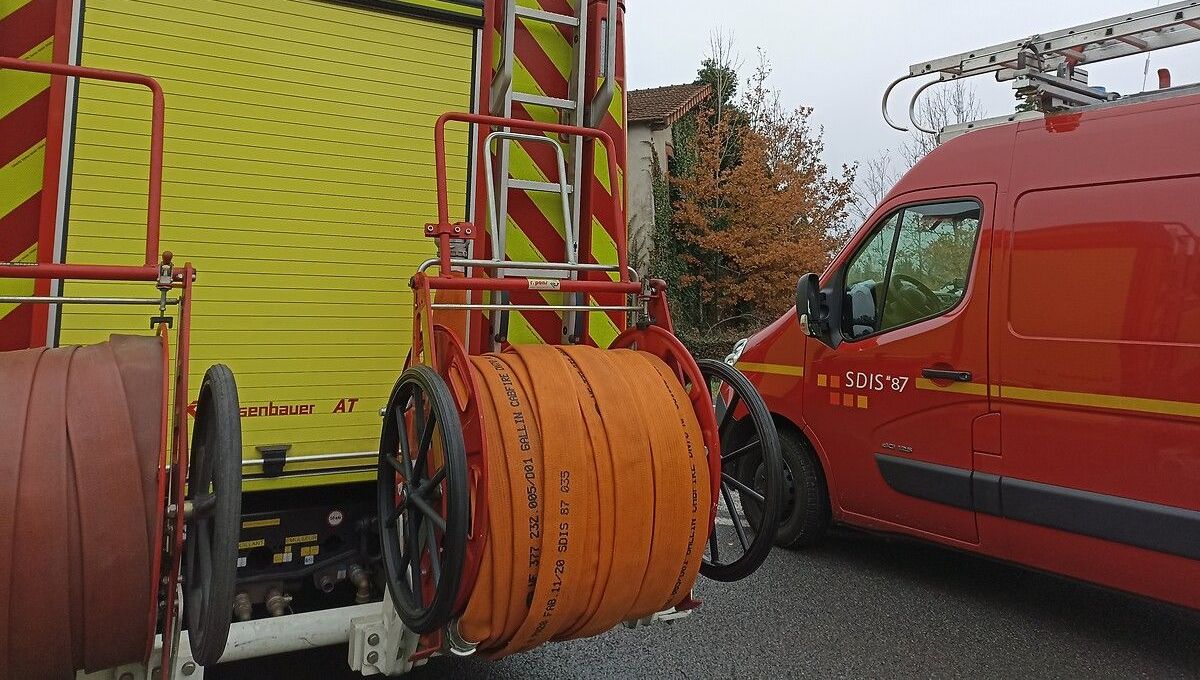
(644,143)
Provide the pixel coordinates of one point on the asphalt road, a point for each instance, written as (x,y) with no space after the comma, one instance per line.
(857,607)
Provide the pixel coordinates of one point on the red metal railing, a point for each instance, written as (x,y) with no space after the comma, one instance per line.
(149,270)
(439,136)
(513,284)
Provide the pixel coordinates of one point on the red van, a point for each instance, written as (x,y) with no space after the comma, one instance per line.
(1005,359)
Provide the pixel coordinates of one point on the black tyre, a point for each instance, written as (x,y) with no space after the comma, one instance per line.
(423,499)
(804,519)
(214,494)
(748,510)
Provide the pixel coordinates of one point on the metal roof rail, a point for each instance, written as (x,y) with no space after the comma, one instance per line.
(1044,66)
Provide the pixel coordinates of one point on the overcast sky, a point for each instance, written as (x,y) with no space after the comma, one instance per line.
(839,56)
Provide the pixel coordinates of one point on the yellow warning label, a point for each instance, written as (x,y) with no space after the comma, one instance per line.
(259,523)
(311,550)
(306,538)
(246,545)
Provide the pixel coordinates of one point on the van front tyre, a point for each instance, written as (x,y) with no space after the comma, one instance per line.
(805,517)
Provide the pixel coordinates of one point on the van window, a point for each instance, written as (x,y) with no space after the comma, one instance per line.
(915,266)
(865,277)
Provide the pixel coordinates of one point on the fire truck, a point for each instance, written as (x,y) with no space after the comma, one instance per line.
(1005,358)
(298,168)
(429,189)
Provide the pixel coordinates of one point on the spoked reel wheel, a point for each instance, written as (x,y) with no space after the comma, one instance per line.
(213,515)
(752,489)
(423,499)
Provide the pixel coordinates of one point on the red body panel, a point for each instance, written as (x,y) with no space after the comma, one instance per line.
(1081,329)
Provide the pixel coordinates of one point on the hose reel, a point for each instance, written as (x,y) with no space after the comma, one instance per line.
(82,493)
(549,492)
(482,555)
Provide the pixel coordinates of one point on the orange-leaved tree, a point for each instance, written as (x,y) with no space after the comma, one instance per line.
(747,229)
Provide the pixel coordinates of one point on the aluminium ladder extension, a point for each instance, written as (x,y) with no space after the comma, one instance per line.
(1045,65)
(573,110)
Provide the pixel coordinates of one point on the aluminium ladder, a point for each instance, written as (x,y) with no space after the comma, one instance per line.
(1046,63)
(573,110)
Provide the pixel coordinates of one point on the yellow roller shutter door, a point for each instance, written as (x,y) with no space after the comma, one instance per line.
(299,174)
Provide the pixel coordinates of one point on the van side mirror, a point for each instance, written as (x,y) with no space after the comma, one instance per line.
(817,310)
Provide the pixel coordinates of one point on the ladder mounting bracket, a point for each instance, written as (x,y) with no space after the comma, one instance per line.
(456,230)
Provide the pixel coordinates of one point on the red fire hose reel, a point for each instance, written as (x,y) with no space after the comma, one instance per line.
(434,499)
(107,515)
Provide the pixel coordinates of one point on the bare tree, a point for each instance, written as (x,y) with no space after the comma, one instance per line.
(876,177)
(720,68)
(940,106)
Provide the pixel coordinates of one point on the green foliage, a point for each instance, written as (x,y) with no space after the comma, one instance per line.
(664,258)
(683,140)
(724,107)
(669,252)
(723,79)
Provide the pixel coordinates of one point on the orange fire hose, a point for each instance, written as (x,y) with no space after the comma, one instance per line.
(598,490)
(79,446)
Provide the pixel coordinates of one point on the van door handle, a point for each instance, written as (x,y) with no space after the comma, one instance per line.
(940,374)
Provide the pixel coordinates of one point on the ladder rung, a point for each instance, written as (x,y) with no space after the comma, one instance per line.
(547,17)
(540,100)
(529,185)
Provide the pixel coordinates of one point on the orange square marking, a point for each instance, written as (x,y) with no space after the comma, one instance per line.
(835,398)
(822,380)
(848,400)
(862,401)
(835,381)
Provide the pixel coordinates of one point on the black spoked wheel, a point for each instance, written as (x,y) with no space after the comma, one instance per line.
(423,502)
(751,476)
(753,467)
(214,510)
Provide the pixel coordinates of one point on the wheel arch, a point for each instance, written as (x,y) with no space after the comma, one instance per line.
(785,424)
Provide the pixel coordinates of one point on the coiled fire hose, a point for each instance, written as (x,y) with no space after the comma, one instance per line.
(82,512)
(599,495)
(79,448)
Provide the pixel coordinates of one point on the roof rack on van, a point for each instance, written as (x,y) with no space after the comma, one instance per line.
(1044,67)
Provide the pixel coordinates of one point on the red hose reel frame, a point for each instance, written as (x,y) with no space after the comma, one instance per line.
(172,471)
(437,345)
